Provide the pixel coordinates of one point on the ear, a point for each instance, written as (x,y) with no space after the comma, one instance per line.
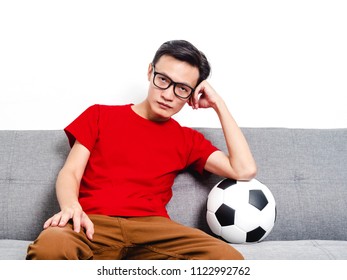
(150,70)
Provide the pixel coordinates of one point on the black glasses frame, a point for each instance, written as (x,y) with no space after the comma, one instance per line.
(172,83)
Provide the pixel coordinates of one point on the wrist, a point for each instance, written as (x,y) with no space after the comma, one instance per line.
(74,205)
(219,105)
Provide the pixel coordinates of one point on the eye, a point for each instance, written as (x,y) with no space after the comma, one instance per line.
(162,78)
(183,89)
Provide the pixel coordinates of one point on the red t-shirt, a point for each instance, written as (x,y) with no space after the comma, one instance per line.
(133,161)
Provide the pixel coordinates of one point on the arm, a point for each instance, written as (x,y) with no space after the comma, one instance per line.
(67,189)
(239,164)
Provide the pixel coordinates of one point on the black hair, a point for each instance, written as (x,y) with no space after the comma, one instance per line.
(185,51)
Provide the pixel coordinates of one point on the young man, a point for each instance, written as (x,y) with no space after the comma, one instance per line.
(117,178)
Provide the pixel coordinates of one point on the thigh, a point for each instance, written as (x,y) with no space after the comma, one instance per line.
(108,240)
(56,243)
(171,240)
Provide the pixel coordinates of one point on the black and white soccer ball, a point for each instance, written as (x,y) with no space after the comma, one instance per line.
(241,211)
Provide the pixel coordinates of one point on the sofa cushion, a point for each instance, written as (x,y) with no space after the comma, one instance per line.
(13,249)
(295,250)
(30,161)
(266,250)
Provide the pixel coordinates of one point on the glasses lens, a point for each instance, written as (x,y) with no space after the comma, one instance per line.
(161,81)
(183,90)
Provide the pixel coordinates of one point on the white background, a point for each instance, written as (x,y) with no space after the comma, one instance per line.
(259,269)
(276,63)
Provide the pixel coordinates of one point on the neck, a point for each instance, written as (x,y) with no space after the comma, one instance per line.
(144,111)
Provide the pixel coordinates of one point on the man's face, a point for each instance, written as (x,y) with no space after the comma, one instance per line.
(163,103)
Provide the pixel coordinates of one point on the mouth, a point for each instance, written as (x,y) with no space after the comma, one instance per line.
(164,105)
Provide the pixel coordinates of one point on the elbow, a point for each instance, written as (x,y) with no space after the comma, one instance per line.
(246,174)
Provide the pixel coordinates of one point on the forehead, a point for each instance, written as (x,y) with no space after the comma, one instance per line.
(177,70)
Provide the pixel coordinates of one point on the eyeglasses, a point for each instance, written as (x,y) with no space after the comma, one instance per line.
(164,82)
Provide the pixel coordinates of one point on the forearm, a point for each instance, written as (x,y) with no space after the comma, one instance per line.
(67,188)
(239,164)
(240,156)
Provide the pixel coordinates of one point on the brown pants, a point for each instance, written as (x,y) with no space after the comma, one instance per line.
(138,238)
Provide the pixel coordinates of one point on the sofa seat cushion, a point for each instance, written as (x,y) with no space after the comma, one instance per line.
(265,250)
(294,250)
(13,249)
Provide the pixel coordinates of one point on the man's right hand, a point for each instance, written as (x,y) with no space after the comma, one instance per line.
(79,219)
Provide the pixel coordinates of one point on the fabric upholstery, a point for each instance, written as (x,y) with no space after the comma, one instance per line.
(304,168)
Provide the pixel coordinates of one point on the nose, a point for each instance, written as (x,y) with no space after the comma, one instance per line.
(168,94)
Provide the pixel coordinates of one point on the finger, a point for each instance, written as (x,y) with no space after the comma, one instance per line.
(55,220)
(194,101)
(47,223)
(190,101)
(77,222)
(89,226)
(65,217)
(199,92)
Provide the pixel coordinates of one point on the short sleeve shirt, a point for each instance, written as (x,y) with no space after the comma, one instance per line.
(133,161)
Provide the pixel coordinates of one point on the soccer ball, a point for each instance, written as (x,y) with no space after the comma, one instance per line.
(241,211)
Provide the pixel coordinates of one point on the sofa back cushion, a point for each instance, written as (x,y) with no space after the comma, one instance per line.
(305,170)
(30,162)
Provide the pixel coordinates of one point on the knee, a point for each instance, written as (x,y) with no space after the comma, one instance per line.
(54,243)
(235,254)
(45,246)
(224,251)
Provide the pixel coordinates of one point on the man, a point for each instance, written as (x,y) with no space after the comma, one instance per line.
(117,178)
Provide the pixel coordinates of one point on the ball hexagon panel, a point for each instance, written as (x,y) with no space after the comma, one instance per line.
(213,223)
(233,233)
(247,217)
(235,196)
(217,201)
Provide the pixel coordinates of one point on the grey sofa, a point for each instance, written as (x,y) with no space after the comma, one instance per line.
(306,170)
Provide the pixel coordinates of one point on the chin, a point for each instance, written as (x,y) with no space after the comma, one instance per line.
(162,116)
